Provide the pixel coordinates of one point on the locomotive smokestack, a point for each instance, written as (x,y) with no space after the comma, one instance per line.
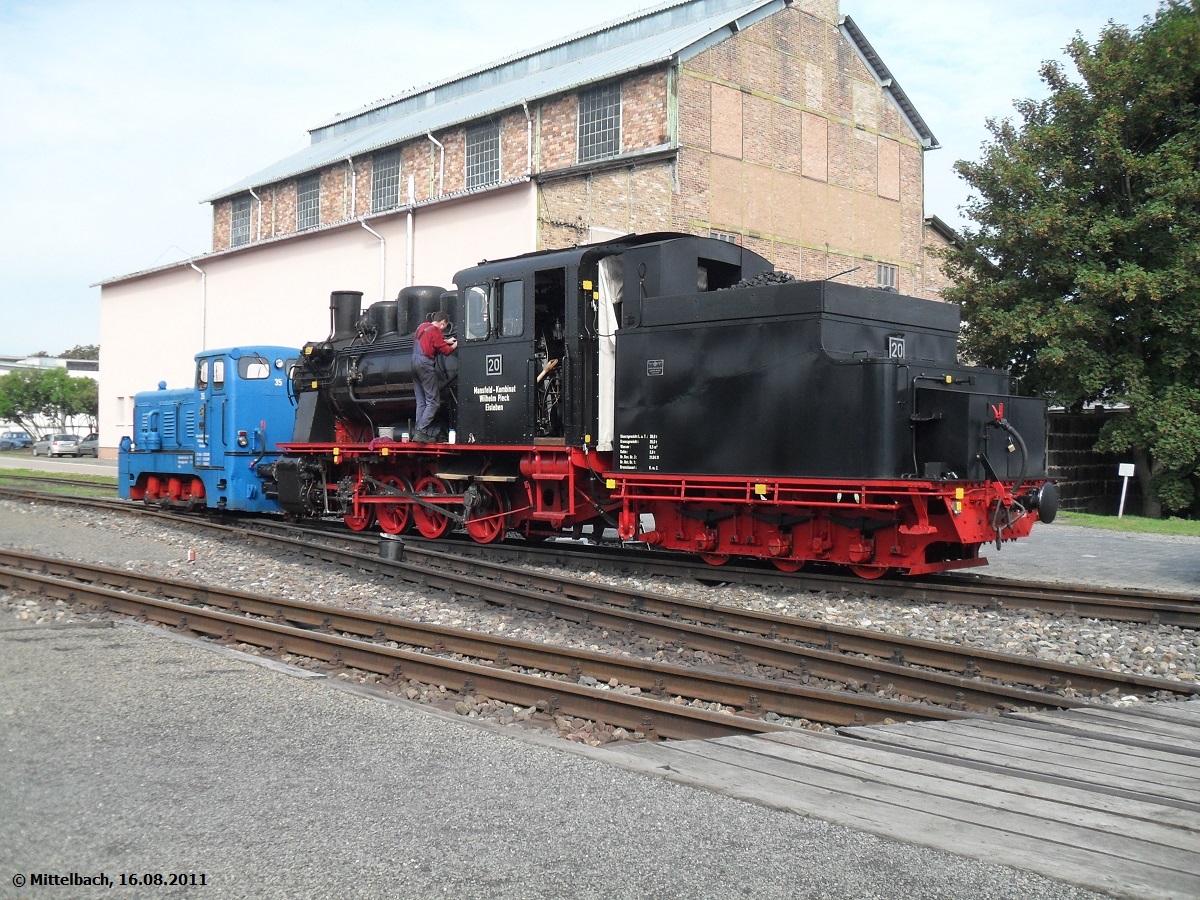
(344,309)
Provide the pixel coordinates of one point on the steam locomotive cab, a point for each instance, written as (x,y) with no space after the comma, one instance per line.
(499,361)
(538,332)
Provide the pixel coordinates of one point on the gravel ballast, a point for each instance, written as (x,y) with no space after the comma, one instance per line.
(123,541)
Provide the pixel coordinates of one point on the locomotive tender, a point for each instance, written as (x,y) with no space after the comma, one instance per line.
(673,379)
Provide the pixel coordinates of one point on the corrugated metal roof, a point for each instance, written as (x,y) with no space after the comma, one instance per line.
(677,28)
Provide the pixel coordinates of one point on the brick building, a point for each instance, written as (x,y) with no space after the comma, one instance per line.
(771,123)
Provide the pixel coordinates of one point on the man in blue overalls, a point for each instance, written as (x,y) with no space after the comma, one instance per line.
(428,341)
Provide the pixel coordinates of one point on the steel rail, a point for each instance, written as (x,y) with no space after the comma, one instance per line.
(900,653)
(61,579)
(671,628)
(1086,601)
(954,693)
(7,475)
(830,664)
(655,718)
(757,694)
(553,594)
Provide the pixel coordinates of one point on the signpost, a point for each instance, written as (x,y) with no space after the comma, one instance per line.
(1125,470)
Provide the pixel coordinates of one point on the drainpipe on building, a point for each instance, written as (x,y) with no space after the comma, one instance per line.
(353,186)
(408,263)
(382,258)
(259,199)
(528,139)
(441,162)
(203,305)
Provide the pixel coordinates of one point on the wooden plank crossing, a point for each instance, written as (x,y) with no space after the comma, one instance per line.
(1108,799)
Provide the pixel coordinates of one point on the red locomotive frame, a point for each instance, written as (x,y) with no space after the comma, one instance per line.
(871,526)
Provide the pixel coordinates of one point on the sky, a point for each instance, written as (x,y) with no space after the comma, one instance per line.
(117,117)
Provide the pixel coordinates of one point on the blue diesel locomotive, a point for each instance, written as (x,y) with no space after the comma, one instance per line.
(200,446)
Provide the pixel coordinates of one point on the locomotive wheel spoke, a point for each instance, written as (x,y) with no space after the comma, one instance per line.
(395,518)
(489,522)
(360,522)
(431,523)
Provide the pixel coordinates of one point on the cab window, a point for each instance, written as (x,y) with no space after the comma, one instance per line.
(202,375)
(253,368)
(218,374)
(477,312)
(511,312)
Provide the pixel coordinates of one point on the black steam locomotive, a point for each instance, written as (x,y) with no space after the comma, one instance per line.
(678,381)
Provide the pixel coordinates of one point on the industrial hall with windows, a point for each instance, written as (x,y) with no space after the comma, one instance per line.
(772,124)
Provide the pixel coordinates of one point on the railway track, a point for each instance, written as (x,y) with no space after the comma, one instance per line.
(1118,605)
(322,633)
(35,480)
(833,652)
(476,663)
(1086,601)
(791,653)
(864,660)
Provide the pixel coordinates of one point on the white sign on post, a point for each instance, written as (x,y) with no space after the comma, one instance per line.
(1125,471)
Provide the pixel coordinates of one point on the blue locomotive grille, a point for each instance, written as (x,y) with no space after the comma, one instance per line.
(168,424)
(189,424)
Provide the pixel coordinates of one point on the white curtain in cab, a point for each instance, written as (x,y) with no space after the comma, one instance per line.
(612,279)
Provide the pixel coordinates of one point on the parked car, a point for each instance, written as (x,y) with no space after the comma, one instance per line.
(57,445)
(15,440)
(90,446)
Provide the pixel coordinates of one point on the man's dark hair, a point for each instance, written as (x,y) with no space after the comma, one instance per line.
(440,316)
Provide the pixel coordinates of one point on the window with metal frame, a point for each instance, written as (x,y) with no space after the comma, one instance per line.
(253,368)
(477,312)
(510,312)
(308,202)
(886,276)
(239,232)
(385,180)
(599,123)
(483,155)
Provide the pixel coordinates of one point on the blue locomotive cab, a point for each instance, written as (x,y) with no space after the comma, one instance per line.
(201,445)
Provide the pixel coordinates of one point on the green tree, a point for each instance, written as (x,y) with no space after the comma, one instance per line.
(21,399)
(31,396)
(82,351)
(1083,271)
(83,399)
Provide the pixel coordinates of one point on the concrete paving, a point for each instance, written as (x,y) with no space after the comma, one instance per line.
(67,464)
(1068,554)
(127,751)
